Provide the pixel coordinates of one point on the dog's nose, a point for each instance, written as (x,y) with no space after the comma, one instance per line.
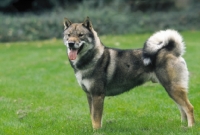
(71,44)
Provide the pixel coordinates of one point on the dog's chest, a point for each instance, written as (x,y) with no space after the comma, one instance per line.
(85,83)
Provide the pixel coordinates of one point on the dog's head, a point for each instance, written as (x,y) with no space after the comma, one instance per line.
(78,37)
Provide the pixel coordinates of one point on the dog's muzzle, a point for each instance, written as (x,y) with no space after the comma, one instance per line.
(71,45)
(74,49)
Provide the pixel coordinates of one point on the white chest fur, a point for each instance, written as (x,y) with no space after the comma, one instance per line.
(86,82)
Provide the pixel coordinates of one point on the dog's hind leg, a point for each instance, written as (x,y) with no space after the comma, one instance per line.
(183,114)
(173,75)
(96,109)
(179,95)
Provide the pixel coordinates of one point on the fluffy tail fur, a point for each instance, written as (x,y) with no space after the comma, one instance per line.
(170,40)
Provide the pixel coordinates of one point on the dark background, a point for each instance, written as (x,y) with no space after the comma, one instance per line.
(19,6)
(24,20)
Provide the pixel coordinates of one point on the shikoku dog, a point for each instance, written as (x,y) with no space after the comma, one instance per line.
(103,71)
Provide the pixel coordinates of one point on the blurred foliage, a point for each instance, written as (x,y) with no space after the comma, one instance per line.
(35,5)
(5,3)
(13,6)
(108,17)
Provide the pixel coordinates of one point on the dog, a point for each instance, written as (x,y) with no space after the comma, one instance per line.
(102,71)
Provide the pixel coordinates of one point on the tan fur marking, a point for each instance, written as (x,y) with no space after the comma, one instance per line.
(179,95)
(97,111)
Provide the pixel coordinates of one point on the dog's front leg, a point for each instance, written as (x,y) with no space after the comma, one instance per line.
(96,109)
(89,98)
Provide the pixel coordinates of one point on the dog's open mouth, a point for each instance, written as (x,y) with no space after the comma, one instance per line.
(73,52)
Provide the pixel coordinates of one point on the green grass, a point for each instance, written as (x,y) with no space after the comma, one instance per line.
(40,96)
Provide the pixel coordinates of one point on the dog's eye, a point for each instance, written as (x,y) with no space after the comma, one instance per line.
(80,35)
(68,35)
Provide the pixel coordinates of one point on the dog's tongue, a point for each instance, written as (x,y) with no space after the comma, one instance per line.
(72,54)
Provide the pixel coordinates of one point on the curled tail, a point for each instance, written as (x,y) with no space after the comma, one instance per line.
(170,40)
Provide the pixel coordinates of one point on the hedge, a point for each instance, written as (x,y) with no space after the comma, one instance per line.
(112,19)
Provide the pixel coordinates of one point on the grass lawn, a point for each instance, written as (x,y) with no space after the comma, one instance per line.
(39,94)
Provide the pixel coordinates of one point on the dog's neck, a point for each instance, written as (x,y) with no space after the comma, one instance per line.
(98,43)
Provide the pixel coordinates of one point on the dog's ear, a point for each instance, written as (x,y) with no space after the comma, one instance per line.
(66,23)
(87,23)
